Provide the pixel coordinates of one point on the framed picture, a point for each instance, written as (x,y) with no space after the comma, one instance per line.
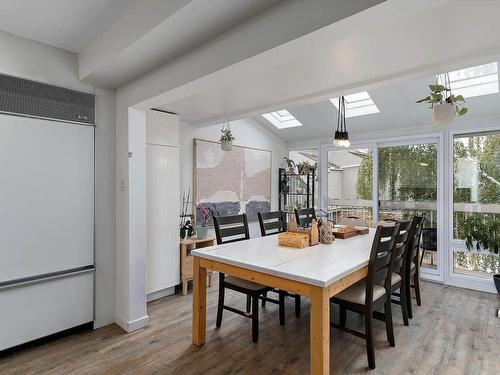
(232,182)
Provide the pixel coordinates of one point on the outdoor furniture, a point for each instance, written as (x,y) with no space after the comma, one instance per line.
(373,292)
(353,221)
(429,243)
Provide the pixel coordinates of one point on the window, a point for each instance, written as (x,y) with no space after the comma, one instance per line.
(350,185)
(282,119)
(475,81)
(476,196)
(359,104)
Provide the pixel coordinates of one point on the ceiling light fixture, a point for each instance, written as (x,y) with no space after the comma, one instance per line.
(341,137)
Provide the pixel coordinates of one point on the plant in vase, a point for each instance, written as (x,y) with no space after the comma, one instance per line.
(204,213)
(482,232)
(444,104)
(186,229)
(226,137)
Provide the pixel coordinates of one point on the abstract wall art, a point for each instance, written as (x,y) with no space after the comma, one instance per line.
(232,182)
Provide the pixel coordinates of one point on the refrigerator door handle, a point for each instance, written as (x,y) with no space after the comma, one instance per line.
(45,277)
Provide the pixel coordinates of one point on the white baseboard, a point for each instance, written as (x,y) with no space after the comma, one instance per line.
(130,326)
(160,294)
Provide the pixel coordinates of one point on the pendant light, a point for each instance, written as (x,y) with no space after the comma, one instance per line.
(341,137)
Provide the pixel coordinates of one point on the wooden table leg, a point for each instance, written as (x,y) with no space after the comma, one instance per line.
(320,332)
(199,302)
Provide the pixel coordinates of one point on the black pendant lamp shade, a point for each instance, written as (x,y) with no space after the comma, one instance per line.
(341,137)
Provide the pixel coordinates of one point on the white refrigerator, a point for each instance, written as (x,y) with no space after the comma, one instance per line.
(46,228)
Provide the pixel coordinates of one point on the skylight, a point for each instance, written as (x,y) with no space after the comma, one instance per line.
(282,119)
(358,104)
(475,81)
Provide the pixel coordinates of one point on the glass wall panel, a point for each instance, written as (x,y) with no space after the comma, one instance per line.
(408,187)
(476,199)
(350,185)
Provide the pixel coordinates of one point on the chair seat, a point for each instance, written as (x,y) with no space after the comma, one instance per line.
(357,293)
(395,277)
(250,285)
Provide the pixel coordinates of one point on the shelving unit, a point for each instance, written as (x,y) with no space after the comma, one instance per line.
(295,190)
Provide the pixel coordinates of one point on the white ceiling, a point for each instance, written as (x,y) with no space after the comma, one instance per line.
(397,105)
(66,24)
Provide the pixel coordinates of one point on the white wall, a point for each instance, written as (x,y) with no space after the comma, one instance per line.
(246,134)
(31,60)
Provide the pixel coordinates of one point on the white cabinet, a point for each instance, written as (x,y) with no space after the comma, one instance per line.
(162,202)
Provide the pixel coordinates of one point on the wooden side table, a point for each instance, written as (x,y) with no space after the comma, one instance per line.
(187,259)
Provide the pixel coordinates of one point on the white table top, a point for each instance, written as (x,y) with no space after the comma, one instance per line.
(319,265)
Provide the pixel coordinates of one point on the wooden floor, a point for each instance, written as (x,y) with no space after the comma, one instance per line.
(454,332)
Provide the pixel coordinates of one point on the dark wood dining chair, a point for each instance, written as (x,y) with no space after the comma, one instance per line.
(412,266)
(304,216)
(232,229)
(398,280)
(368,294)
(272,223)
(429,243)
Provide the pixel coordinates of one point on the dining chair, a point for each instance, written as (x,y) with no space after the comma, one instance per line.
(398,280)
(232,229)
(272,223)
(412,266)
(429,243)
(368,294)
(305,216)
(354,221)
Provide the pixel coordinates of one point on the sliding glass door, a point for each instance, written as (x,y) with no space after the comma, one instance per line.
(408,186)
(476,202)
(388,181)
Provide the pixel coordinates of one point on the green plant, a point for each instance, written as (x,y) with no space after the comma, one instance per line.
(442,94)
(289,163)
(481,231)
(226,135)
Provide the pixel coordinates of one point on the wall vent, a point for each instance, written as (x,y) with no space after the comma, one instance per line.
(35,99)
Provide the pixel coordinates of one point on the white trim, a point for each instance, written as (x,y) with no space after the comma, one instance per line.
(160,294)
(130,326)
(452,278)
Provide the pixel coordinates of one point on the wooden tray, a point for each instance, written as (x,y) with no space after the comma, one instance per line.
(291,239)
(345,235)
(362,231)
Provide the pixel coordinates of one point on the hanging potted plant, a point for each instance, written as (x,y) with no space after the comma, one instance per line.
(445,106)
(483,233)
(226,137)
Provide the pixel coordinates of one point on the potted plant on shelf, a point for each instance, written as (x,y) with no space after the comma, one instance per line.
(226,137)
(204,213)
(289,164)
(445,106)
(482,232)
(186,229)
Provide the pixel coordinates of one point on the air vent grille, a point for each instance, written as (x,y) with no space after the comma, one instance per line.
(35,99)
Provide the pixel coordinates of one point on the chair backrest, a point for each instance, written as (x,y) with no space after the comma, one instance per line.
(414,241)
(387,222)
(231,228)
(401,246)
(272,222)
(304,216)
(353,221)
(379,265)
(429,238)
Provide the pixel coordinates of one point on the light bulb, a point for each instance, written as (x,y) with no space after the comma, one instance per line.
(347,143)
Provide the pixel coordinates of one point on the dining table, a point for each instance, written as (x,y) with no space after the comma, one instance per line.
(318,272)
